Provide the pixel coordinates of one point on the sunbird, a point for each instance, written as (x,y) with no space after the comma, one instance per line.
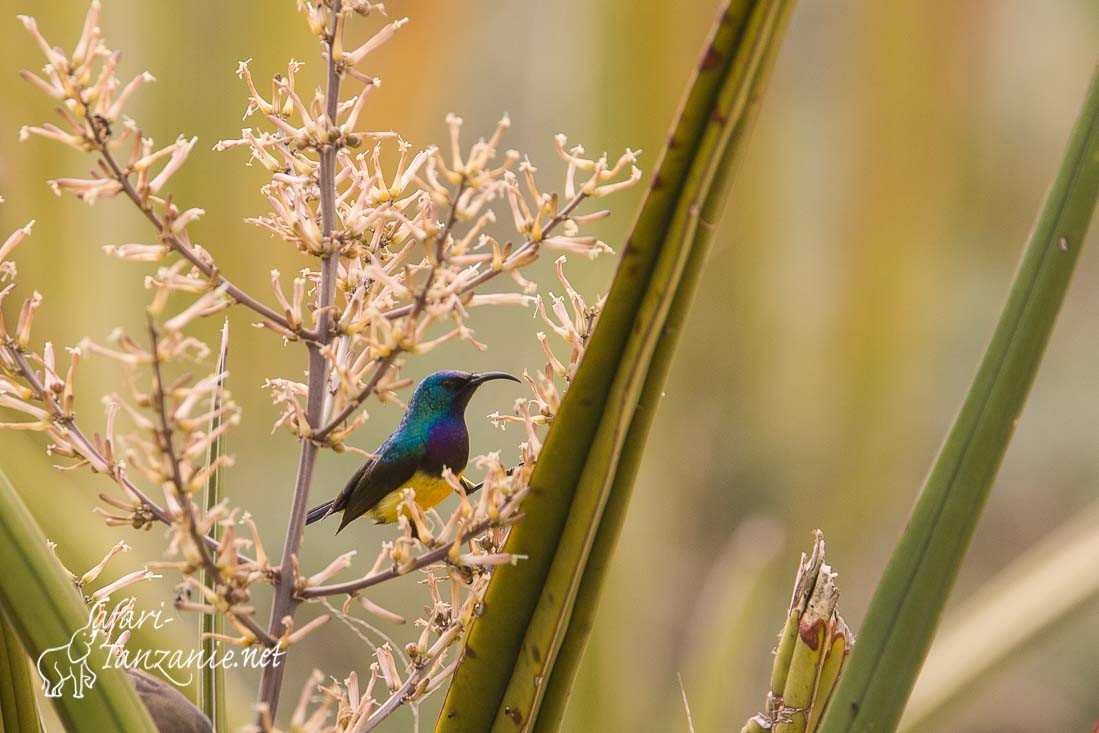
(432,436)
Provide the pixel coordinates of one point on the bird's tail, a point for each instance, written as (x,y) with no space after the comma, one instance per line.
(319,512)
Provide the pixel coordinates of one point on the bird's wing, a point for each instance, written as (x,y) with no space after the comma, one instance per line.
(377,478)
(340,502)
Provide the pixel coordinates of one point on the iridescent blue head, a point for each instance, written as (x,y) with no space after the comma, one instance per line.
(446,394)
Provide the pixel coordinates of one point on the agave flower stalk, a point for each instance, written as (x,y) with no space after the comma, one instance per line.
(399,246)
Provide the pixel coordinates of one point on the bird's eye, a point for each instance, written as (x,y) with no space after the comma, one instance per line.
(451,383)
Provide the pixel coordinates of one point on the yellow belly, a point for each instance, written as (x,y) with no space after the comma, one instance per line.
(430,490)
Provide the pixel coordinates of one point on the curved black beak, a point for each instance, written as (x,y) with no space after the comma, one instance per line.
(476,380)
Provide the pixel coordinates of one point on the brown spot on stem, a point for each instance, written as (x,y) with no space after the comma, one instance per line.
(536,654)
(811,634)
(711,59)
(657,182)
(514,714)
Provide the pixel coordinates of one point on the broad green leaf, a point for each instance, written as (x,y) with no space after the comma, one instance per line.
(512,649)
(45,610)
(18,708)
(745,86)
(908,603)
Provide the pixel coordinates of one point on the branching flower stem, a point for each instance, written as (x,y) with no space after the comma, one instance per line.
(187,505)
(414,309)
(284,602)
(167,447)
(523,249)
(428,558)
(164,232)
(422,669)
(89,449)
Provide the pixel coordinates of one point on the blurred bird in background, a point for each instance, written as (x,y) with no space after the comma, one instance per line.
(432,436)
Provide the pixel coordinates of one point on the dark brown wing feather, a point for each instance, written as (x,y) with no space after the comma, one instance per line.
(373,481)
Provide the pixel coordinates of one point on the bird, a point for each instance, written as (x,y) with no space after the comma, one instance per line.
(431,436)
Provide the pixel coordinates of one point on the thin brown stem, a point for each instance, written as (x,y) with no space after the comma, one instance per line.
(524,248)
(428,558)
(384,363)
(255,629)
(417,307)
(69,425)
(165,437)
(182,248)
(413,309)
(420,671)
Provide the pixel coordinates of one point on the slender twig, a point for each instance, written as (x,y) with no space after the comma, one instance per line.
(165,436)
(413,310)
(422,669)
(190,513)
(182,248)
(686,705)
(255,629)
(69,425)
(284,601)
(428,558)
(417,307)
(524,248)
(382,365)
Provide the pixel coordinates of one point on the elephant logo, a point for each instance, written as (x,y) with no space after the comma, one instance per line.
(59,665)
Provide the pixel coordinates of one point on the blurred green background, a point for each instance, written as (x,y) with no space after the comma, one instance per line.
(895,169)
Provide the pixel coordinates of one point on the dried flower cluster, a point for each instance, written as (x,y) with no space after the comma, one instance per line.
(413,242)
(466,548)
(399,245)
(84,580)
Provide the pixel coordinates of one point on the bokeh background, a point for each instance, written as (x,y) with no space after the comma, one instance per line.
(899,159)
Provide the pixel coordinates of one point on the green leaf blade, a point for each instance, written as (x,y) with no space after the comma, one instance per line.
(45,610)
(1012,614)
(18,707)
(514,645)
(905,610)
(745,87)
(212,693)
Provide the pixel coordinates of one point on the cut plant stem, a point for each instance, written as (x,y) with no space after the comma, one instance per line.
(813,645)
